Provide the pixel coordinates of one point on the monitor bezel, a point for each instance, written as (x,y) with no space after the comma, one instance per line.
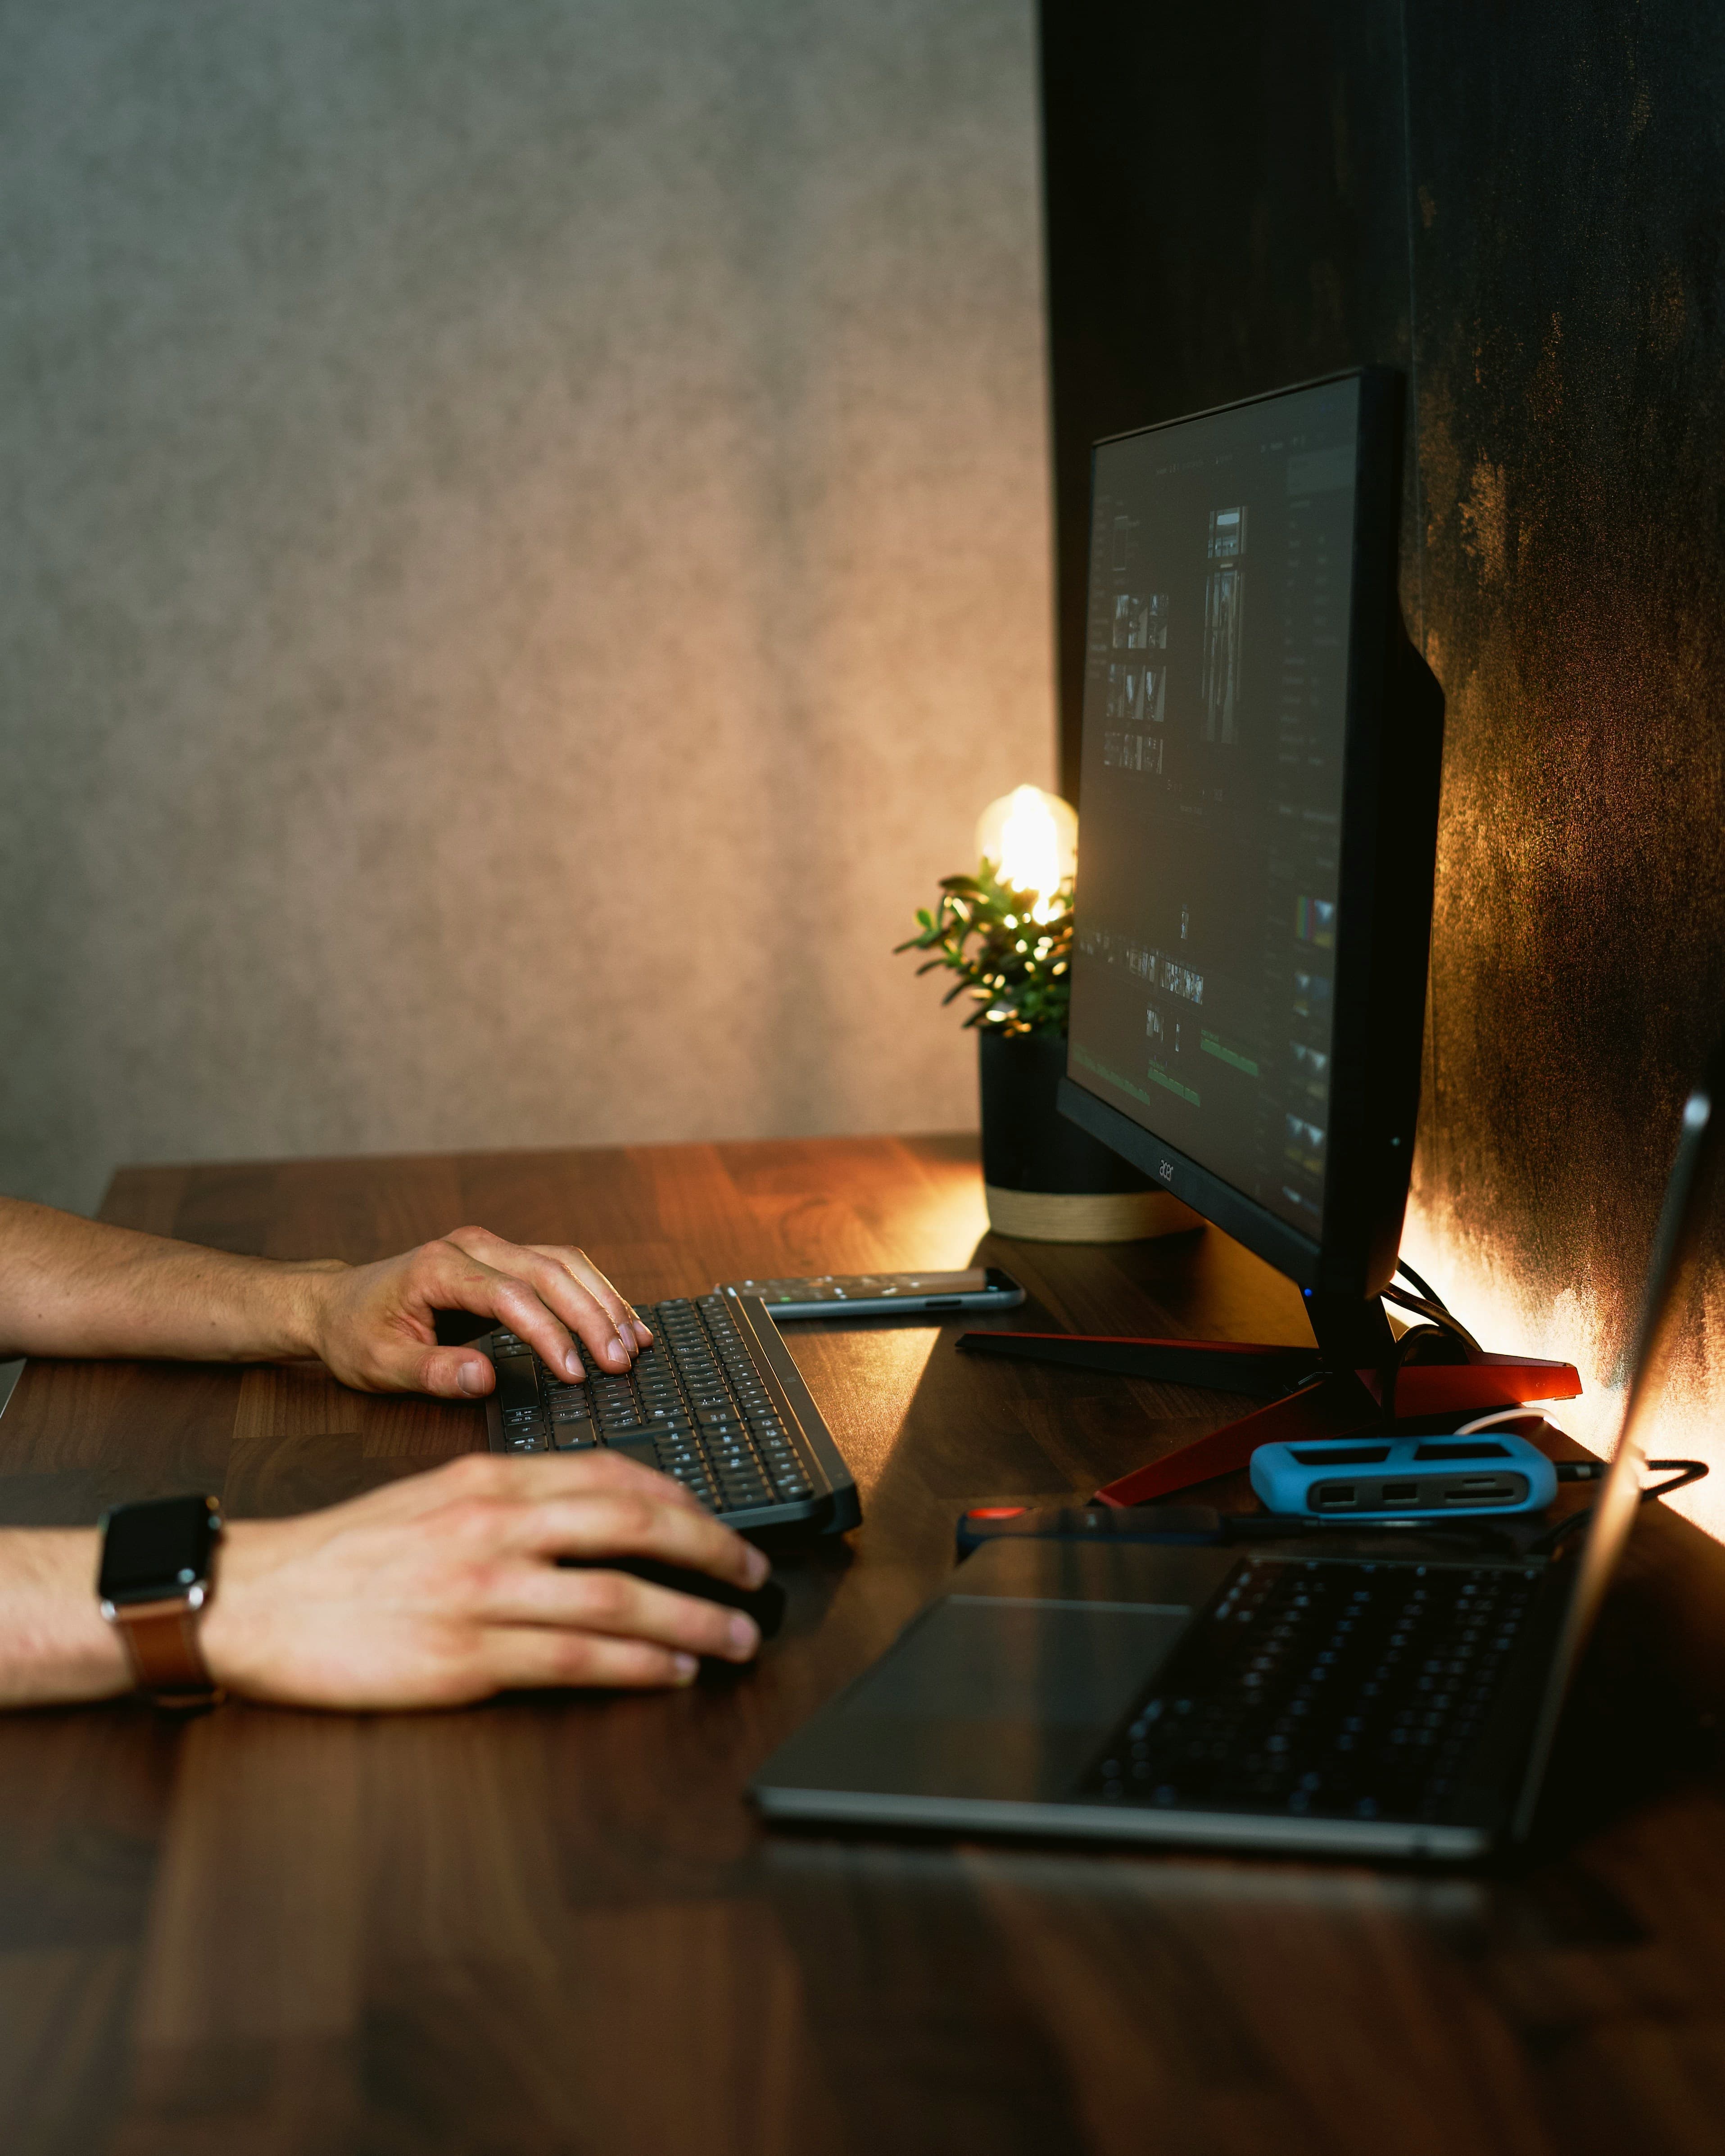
(1392,753)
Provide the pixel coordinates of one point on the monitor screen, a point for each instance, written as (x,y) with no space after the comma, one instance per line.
(1215,704)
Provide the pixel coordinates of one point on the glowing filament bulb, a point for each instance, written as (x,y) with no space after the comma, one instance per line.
(1032,838)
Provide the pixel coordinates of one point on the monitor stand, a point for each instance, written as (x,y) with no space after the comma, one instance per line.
(1350,1379)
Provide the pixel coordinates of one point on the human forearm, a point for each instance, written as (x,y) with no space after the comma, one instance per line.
(444,1588)
(76,1287)
(71,1287)
(53,1645)
(430,1592)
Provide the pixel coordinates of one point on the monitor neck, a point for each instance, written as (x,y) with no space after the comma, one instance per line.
(1352,1334)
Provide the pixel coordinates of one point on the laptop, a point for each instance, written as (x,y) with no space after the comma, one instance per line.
(1301,1695)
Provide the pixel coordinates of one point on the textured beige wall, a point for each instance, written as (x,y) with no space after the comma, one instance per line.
(525,546)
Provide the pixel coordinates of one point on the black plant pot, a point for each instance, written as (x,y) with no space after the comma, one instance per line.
(1045,1178)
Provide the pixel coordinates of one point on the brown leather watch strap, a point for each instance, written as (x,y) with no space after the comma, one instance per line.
(167,1658)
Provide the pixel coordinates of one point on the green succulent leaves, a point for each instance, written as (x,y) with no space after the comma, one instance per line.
(1017,970)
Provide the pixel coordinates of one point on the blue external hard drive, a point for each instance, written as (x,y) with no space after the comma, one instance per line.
(1389,1478)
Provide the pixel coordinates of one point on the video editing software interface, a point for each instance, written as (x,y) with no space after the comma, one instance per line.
(1214,711)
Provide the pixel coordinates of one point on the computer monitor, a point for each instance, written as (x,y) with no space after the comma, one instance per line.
(1259,793)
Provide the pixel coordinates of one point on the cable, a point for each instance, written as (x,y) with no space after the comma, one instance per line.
(1503,1415)
(1679,1474)
(1434,1314)
(1405,1348)
(1596,1470)
(1682,1473)
(1438,1325)
(1423,1287)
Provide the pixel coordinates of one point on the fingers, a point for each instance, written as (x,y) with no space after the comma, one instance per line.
(636,1523)
(444,1276)
(566,1282)
(515,1517)
(518,1524)
(454,1373)
(378,1332)
(577,1262)
(617,1606)
(522,1479)
(444,1587)
(590,1507)
(569,1269)
(527,1657)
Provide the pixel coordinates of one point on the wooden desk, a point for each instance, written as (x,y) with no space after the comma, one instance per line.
(554,1925)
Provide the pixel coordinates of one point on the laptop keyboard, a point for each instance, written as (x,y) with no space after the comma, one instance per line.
(696,1406)
(1327,1687)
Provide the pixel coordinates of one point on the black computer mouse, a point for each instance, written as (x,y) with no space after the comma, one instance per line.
(765,1603)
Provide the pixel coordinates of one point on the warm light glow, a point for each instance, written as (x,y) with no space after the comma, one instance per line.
(1506,1315)
(1031,838)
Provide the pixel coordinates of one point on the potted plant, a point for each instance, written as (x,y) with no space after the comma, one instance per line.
(1006,932)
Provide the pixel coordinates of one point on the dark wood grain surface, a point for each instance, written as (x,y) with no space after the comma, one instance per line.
(554,1925)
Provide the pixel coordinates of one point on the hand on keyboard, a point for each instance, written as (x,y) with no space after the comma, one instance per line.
(375,1325)
(698,1406)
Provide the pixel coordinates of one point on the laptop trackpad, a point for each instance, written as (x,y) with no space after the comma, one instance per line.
(989,1660)
(986,1697)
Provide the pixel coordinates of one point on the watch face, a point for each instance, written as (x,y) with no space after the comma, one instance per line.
(155,1549)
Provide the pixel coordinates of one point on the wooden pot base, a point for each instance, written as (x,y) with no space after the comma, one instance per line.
(1106,1216)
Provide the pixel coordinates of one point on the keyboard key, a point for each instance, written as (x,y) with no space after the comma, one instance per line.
(1330,1687)
(696,1406)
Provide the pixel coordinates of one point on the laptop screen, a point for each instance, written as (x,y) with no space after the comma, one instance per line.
(1684,1252)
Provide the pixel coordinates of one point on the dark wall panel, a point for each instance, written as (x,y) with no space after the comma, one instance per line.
(1525,207)
(1569,210)
(1226,213)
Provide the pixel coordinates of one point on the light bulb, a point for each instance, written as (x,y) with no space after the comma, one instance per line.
(1031,838)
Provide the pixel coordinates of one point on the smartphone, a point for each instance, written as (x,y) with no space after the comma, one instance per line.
(880,1295)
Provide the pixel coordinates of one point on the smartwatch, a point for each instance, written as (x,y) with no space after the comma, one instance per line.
(155,1579)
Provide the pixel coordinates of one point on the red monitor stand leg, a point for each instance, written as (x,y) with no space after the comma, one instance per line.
(1347,1399)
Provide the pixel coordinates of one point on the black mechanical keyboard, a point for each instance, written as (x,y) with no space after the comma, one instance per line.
(716,1403)
(1327,1687)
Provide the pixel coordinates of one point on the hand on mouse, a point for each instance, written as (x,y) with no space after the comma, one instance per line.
(445,1587)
